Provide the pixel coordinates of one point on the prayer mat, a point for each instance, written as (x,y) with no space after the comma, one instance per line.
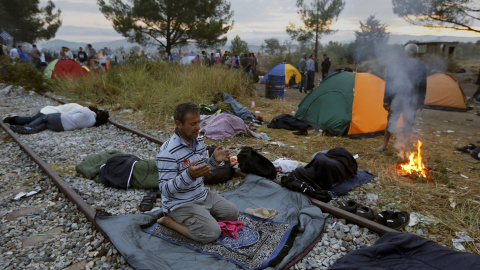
(260,243)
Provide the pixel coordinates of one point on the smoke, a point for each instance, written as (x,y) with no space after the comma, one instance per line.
(404,77)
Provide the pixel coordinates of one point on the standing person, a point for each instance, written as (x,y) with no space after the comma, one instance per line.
(217,57)
(246,63)
(103,61)
(235,61)
(326,63)
(310,72)
(35,53)
(82,56)
(476,96)
(92,55)
(302,67)
(212,59)
(22,55)
(405,89)
(182,162)
(68,53)
(14,54)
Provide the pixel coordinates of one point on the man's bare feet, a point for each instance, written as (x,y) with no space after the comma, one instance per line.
(172,224)
(165,221)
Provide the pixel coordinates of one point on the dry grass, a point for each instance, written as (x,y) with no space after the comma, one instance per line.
(153,90)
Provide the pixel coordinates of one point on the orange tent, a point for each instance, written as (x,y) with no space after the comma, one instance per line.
(444,93)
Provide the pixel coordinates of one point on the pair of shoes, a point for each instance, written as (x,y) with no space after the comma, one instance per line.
(358,209)
(23,129)
(395,220)
(301,132)
(9,119)
(476,153)
(466,148)
(148,200)
(381,149)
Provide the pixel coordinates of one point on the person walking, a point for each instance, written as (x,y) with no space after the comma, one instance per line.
(405,90)
(35,53)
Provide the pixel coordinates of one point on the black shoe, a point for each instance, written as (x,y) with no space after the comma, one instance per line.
(148,201)
(382,217)
(476,153)
(23,129)
(301,132)
(398,220)
(350,206)
(466,148)
(365,212)
(9,120)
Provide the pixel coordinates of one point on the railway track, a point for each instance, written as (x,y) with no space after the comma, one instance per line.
(57,153)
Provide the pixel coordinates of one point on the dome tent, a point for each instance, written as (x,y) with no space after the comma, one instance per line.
(444,93)
(347,104)
(64,68)
(284,69)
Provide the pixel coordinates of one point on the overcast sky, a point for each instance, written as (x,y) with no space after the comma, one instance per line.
(254,21)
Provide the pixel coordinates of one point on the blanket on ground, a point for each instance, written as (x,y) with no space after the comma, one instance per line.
(402,251)
(223,125)
(144,251)
(259,242)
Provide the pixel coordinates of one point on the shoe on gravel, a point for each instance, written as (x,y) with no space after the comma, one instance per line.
(382,217)
(476,153)
(398,220)
(349,206)
(148,201)
(365,212)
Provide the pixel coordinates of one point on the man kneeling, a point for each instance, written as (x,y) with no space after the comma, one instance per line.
(182,162)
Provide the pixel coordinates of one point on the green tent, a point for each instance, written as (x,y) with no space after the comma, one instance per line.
(347,103)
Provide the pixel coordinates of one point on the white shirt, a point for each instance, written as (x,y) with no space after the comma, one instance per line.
(65,108)
(14,53)
(69,55)
(103,59)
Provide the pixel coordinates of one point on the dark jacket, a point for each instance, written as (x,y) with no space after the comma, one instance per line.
(325,170)
(326,63)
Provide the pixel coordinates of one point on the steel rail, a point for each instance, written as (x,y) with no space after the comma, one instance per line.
(334,211)
(57,180)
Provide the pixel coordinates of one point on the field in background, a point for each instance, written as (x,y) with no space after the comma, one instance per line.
(151,90)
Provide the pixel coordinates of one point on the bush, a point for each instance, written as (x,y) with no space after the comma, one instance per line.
(22,73)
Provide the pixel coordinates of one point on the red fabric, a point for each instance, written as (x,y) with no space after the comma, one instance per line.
(67,68)
(230,228)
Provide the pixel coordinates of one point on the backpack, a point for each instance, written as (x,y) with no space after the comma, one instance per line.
(221,174)
(293,183)
(250,161)
(118,171)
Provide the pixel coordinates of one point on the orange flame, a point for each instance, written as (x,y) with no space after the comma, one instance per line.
(415,163)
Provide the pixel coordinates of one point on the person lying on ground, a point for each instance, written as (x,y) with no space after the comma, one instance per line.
(80,118)
(65,108)
(182,162)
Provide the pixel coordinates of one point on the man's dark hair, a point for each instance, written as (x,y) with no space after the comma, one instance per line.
(89,45)
(324,54)
(180,112)
(93,109)
(102,118)
(34,46)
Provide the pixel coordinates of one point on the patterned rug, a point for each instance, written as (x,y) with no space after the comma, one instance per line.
(261,243)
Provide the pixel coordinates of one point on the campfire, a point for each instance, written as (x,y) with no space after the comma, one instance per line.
(414,166)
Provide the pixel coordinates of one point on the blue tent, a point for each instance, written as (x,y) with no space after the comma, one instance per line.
(284,69)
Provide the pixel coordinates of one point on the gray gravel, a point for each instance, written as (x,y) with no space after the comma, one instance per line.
(63,235)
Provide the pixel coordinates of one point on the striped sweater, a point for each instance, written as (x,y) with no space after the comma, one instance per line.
(173,159)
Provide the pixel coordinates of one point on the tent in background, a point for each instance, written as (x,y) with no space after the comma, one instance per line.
(444,93)
(284,69)
(347,104)
(64,68)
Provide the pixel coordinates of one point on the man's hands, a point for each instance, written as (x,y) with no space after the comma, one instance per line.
(198,171)
(221,154)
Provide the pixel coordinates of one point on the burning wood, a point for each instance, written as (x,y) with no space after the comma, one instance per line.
(414,165)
